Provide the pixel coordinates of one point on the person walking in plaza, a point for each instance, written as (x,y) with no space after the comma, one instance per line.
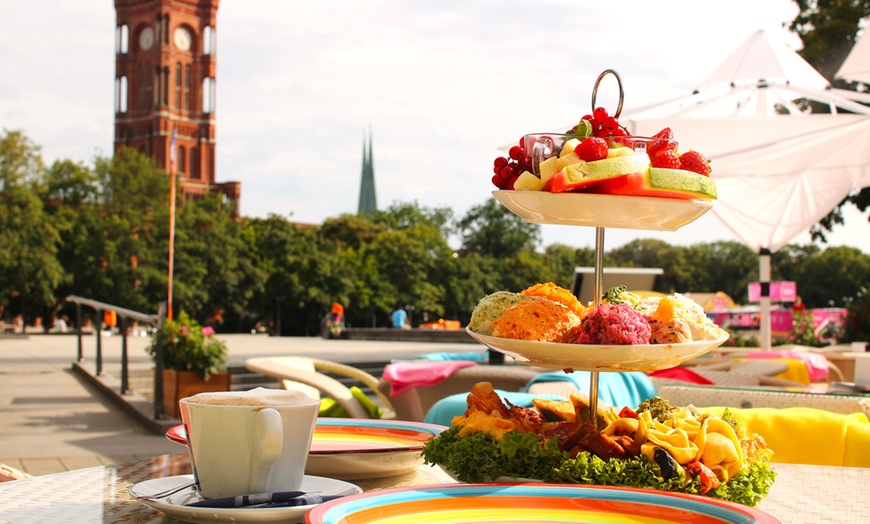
(400,318)
(332,323)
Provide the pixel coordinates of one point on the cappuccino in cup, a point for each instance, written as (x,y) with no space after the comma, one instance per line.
(244,442)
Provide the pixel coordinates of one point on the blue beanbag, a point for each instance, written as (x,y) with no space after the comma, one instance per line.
(617,389)
(443,411)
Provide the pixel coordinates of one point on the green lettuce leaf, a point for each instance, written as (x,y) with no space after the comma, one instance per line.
(477,457)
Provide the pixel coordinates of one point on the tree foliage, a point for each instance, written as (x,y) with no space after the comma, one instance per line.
(73,229)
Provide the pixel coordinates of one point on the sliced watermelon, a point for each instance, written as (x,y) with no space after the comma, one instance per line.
(660,182)
(577,176)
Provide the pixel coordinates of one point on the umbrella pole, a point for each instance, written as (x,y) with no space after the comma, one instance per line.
(764,279)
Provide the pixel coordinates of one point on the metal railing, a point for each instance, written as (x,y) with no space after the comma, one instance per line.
(123,315)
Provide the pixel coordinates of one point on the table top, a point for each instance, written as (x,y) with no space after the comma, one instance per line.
(801,494)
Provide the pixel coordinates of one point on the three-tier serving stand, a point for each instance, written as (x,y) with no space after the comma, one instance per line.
(601,212)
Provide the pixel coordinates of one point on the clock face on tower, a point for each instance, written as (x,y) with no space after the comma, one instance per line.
(181,37)
(146,38)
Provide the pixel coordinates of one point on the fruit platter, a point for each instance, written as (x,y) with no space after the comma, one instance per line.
(596,174)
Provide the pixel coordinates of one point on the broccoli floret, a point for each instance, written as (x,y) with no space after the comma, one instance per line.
(659,408)
(614,295)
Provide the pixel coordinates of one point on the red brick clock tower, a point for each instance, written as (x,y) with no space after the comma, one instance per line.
(165,67)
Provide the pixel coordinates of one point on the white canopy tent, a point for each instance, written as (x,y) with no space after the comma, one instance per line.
(856,67)
(778,169)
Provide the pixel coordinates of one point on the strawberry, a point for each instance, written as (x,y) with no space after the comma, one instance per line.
(666,159)
(665,142)
(591,149)
(696,162)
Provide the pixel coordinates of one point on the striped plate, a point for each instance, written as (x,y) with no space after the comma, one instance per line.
(531,503)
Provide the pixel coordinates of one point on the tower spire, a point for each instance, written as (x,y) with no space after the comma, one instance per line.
(368,202)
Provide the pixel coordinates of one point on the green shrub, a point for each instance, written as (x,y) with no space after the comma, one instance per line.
(186,348)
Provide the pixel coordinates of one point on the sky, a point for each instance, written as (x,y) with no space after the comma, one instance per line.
(443,85)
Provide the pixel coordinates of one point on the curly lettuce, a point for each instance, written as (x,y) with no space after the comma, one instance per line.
(478,457)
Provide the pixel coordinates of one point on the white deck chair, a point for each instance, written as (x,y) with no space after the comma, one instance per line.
(304,374)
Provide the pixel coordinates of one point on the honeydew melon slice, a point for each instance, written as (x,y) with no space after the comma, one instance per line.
(584,174)
(661,182)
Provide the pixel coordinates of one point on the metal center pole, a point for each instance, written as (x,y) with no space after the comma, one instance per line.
(596,301)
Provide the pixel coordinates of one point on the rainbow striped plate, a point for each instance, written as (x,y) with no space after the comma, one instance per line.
(350,449)
(531,503)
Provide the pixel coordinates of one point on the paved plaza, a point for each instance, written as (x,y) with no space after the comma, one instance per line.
(54,419)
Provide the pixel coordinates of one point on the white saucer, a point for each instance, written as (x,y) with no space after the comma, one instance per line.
(174,505)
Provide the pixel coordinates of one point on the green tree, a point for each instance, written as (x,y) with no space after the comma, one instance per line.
(350,231)
(643,252)
(214,276)
(29,269)
(834,277)
(491,229)
(131,242)
(408,263)
(561,261)
(407,215)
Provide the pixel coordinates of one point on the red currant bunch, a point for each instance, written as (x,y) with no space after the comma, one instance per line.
(508,169)
(603,125)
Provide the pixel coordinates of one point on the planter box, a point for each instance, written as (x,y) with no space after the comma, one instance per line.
(180,384)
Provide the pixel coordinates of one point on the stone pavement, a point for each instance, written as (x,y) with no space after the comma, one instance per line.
(55,419)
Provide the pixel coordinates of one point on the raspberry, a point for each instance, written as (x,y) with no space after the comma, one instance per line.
(666,159)
(592,149)
(695,161)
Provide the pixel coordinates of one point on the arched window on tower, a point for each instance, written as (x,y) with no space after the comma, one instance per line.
(208,89)
(178,103)
(186,105)
(182,160)
(155,87)
(194,163)
(144,86)
(121,95)
(159,26)
(122,39)
(164,21)
(208,40)
(165,87)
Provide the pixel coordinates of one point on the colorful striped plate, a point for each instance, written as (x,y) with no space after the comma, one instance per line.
(531,503)
(351,449)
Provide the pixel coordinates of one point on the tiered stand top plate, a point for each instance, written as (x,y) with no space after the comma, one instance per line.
(602,211)
(608,211)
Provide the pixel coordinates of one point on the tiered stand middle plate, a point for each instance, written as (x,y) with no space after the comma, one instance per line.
(600,211)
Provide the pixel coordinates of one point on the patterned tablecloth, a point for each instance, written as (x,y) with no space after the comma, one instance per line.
(801,494)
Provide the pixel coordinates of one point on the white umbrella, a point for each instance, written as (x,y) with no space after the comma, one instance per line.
(777,174)
(856,67)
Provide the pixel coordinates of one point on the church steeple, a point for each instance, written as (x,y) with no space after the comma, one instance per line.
(368,202)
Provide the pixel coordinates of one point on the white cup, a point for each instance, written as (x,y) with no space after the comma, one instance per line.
(244,442)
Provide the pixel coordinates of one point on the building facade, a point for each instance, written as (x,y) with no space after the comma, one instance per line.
(165,72)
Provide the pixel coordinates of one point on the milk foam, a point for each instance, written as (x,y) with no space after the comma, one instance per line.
(255,397)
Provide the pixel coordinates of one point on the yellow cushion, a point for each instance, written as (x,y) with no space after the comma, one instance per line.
(807,435)
(797,369)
